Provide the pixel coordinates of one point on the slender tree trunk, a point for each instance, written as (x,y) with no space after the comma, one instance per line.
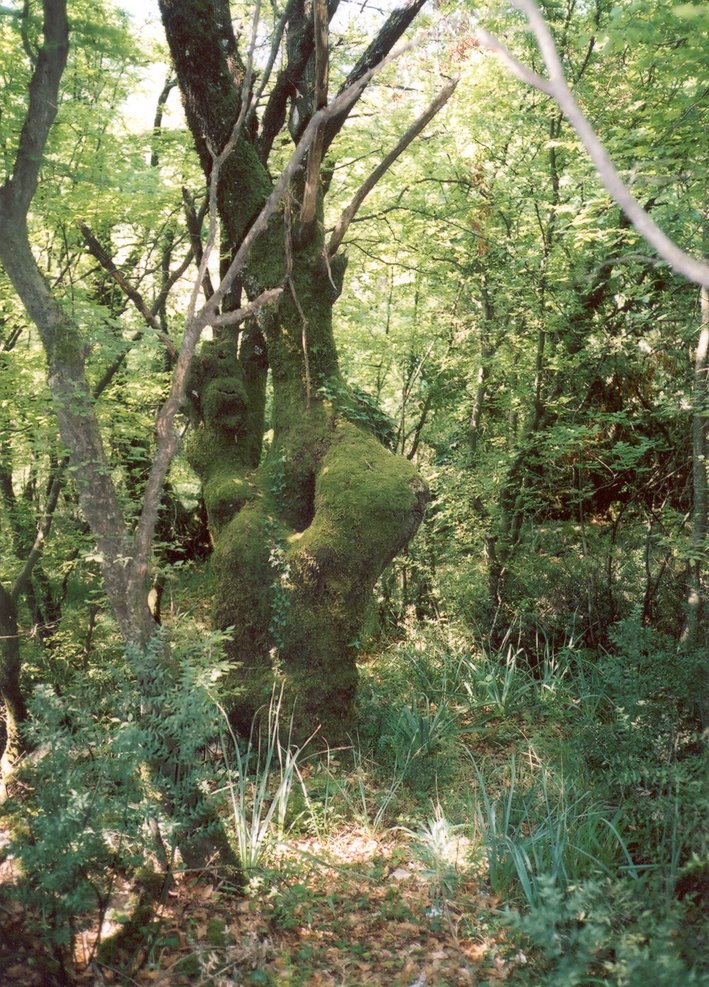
(696,631)
(10,689)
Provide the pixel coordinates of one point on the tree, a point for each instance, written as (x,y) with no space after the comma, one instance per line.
(124,546)
(570,339)
(124,549)
(302,533)
(696,270)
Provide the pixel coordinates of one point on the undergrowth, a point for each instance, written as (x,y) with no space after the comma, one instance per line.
(581,782)
(570,794)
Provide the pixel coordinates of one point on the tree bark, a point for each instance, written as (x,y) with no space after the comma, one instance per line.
(10,690)
(696,630)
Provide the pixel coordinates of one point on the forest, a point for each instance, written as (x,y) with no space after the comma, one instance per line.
(354,413)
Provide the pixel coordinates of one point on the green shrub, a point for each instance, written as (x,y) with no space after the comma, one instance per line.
(605,933)
(89,811)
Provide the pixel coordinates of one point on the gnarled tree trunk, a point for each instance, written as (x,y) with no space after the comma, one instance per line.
(302,534)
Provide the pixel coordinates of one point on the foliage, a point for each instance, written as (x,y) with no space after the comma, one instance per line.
(503,328)
(602,932)
(546,831)
(261,777)
(88,814)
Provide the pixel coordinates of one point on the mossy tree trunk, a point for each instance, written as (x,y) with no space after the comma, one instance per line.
(302,533)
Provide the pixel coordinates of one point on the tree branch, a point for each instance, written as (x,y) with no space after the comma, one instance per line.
(290,78)
(340,104)
(265,143)
(390,33)
(557,87)
(106,262)
(17,192)
(170,84)
(194,228)
(43,529)
(170,282)
(315,154)
(168,439)
(246,311)
(386,163)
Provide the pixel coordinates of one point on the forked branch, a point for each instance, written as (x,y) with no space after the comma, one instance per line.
(168,439)
(108,264)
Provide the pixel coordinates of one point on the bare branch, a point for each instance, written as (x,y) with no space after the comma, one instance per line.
(43,529)
(170,84)
(386,163)
(246,311)
(194,228)
(289,80)
(170,282)
(340,104)
(106,262)
(557,87)
(390,33)
(266,74)
(24,33)
(113,367)
(517,68)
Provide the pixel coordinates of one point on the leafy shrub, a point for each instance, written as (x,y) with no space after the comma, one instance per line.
(89,811)
(644,745)
(603,932)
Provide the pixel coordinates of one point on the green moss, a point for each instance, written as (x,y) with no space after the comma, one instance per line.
(224,403)
(225,495)
(367,505)
(297,594)
(216,934)
(221,448)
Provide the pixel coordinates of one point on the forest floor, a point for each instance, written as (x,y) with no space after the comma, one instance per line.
(354,908)
(466,841)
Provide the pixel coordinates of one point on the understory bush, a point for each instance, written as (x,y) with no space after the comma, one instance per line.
(587,798)
(609,932)
(574,789)
(88,814)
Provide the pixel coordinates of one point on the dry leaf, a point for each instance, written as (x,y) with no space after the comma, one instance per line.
(400,874)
